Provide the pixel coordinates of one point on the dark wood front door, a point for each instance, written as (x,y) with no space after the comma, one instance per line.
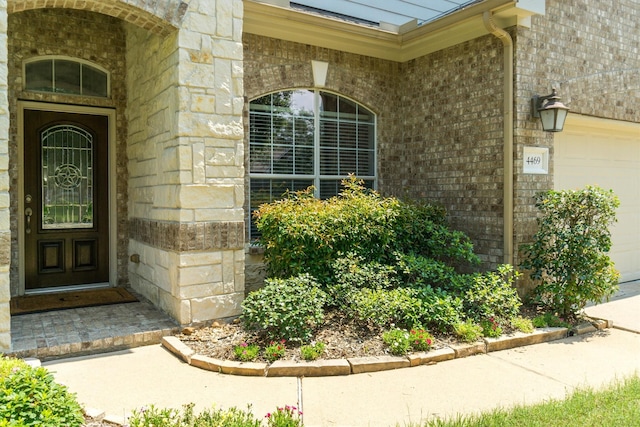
(66,221)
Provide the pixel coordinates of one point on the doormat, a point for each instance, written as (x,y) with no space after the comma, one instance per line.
(60,301)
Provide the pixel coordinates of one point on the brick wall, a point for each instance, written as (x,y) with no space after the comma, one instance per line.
(439,122)
(272,65)
(451,151)
(588,50)
(440,116)
(89,36)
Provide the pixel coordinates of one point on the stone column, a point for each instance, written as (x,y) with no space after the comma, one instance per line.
(5,233)
(187,164)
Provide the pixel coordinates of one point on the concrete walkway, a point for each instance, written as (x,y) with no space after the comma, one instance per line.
(119,382)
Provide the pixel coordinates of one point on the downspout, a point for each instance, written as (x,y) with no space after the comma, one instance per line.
(507,43)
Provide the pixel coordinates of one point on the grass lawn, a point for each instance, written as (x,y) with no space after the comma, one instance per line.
(617,405)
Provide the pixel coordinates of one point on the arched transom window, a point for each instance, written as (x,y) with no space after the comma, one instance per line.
(65,75)
(303,138)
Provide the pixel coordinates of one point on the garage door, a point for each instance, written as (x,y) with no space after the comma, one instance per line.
(605,153)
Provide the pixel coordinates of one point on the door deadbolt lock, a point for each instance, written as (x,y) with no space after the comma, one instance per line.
(27,198)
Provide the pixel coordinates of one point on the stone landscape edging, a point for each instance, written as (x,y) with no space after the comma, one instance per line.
(357,365)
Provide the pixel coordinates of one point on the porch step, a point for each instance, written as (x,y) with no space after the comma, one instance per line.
(89,330)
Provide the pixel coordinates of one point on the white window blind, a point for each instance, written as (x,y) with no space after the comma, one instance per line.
(301,138)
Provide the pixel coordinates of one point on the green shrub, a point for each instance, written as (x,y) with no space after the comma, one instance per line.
(568,258)
(166,417)
(490,294)
(397,340)
(420,271)
(423,229)
(287,309)
(312,351)
(246,352)
(440,310)
(381,307)
(302,234)
(30,397)
(522,324)
(352,272)
(549,320)
(467,331)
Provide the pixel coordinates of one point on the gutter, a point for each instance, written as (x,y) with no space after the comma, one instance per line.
(507,43)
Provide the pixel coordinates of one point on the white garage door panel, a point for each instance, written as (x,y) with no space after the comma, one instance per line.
(605,153)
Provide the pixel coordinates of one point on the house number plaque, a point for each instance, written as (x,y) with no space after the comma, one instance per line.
(536,160)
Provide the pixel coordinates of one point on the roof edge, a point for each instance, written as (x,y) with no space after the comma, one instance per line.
(281,22)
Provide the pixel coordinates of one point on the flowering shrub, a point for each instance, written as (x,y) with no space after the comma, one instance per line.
(289,416)
(245,352)
(420,339)
(275,350)
(165,417)
(397,340)
(491,328)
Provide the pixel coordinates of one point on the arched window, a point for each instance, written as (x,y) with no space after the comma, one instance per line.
(300,138)
(65,75)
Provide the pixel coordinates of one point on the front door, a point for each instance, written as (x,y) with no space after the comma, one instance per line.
(66,221)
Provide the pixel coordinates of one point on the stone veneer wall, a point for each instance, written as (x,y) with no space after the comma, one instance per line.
(30,29)
(5,232)
(186,163)
(38,32)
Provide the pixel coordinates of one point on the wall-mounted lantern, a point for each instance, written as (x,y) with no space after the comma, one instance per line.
(550,110)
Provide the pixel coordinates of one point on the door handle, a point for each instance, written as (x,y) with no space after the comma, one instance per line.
(28,212)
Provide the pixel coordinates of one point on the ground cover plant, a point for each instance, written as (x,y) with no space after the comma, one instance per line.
(152,416)
(384,265)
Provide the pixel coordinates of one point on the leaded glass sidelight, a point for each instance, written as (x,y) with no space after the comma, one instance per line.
(67,178)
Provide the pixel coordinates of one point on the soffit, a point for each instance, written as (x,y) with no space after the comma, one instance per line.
(399,42)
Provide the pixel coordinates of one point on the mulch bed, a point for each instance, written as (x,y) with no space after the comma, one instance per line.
(342,337)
